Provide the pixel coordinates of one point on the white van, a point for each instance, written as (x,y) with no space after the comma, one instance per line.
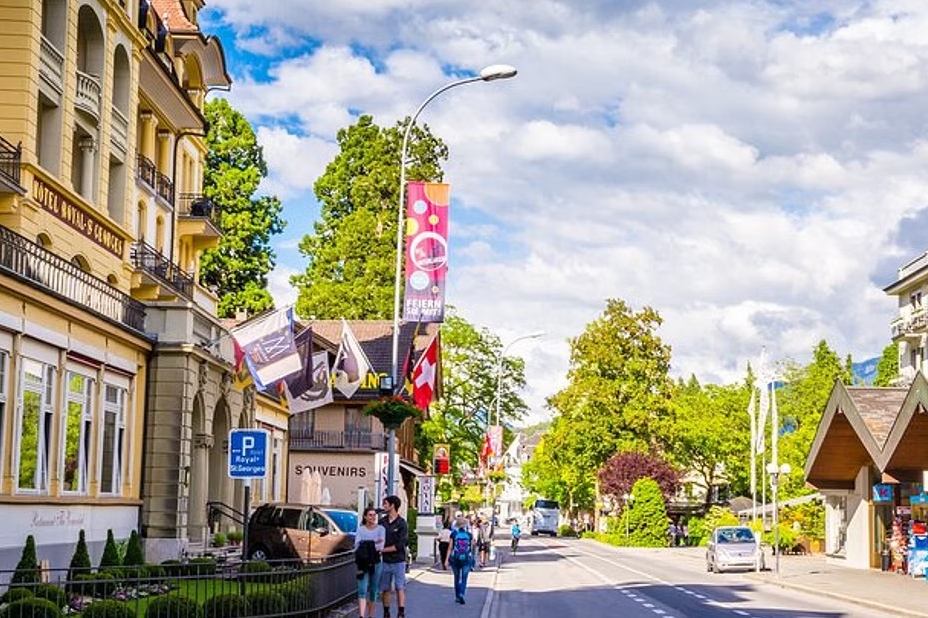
(544,518)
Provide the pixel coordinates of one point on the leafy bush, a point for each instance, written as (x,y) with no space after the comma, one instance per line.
(219,540)
(53,593)
(98,585)
(201,566)
(267,603)
(108,608)
(788,537)
(236,536)
(647,515)
(719,516)
(413,514)
(566,530)
(298,594)
(110,557)
(256,570)
(173,606)
(80,561)
(134,554)
(15,594)
(31,608)
(227,606)
(172,568)
(696,527)
(27,570)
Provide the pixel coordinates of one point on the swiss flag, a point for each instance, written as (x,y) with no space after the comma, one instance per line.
(424,375)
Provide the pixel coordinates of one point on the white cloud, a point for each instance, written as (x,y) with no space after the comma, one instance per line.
(743,167)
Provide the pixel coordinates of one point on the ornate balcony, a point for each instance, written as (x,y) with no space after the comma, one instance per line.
(119,136)
(912,326)
(159,183)
(88,94)
(301,440)
(10,160)
(28,261)
(160,269)
(51,67)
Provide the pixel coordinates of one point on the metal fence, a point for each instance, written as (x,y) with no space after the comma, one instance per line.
(196,588)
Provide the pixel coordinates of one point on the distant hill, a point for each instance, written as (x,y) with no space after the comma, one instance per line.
(865,371)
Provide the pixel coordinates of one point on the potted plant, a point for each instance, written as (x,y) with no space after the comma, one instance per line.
(392,411)
(219,539)
(235,537)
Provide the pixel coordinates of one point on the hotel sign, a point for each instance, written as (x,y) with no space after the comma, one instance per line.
(87,224)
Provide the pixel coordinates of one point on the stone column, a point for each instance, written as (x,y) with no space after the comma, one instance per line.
(199,482)
(88,149)
(147,132)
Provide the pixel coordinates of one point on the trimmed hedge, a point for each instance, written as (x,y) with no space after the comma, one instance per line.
(31,608)
(227,606)
(108,608)
(53,593)
(267,603)
(298,593)
(173,606)
(15,594)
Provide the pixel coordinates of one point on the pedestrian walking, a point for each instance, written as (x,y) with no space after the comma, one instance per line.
(394,557)
(444,542)
(369,541)
(483,541)
(461,558)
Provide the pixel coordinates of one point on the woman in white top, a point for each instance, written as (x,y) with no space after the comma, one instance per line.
(368,543)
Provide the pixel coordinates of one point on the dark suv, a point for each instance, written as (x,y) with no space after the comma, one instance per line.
(287,531)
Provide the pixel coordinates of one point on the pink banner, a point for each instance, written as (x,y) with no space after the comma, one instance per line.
(427,206)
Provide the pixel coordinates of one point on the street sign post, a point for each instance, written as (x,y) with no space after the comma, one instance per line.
(248,455)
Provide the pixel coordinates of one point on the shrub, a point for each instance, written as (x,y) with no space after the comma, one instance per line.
(172,568)
(134,554)
(27,570)
(80,561)
(256,570)
(298,594)
(219,540)
(719,516)
(53,593)
(267,603)
(566,530)
(31,608)
(108,608)
(227,606)
(236,536)
(110,557)
(647,515)
(15,594)
(201,566)
(97,585)
(173,606)
(696,528)
(413,515)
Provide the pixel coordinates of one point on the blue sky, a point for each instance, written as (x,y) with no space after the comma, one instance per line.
(753,170)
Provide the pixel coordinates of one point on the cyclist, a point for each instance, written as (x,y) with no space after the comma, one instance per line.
(516,532)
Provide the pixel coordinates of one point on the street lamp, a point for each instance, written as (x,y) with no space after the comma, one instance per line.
(395,381)
(628,499)
(775,471)
(499,368)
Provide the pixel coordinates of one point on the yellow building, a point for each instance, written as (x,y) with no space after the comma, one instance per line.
(116,384)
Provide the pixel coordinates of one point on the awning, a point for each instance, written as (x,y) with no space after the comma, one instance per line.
(413,470)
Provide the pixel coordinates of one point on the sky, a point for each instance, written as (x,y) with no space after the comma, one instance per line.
(755,171)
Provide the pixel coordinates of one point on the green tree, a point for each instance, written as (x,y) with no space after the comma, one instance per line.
(110,557)
(647,515)
(887,369)
(135,556)
(555,473)
(352,251)
(469,358)
(80,561)
(27,569)
(235,166)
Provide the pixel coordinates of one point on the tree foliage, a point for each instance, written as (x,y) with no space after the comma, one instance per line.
(621,471)
(27,569)
(110,557)
(554,473)
(352,251)
(239,266)
(647,515)
(887,369)
(80,561)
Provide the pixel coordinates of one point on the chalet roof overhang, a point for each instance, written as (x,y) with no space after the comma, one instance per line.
(906,451)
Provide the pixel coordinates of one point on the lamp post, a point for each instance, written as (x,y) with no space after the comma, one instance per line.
(628,499)
(488,74)
(499,368)
(775,471)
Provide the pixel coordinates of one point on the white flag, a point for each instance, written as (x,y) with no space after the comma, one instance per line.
(752,414)
(351,364)
(763,383)
(269,347)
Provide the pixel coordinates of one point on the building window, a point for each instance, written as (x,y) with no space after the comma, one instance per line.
(34,424)
(78,430)
(836,528)
(356,421)
(915,300)
(113,439)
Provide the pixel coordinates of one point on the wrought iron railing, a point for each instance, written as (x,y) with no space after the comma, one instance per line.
(147,259)
(309,440)
(198,205)
(159,183)
(27,260)
(200,586)
(10,160)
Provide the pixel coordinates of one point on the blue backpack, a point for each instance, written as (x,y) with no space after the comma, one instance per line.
(461,542)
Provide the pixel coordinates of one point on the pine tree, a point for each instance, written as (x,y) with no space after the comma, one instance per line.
(134,554)
(80,561)
(110,556)
(27,570)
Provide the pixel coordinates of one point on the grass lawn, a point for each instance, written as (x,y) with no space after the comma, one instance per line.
(200,590)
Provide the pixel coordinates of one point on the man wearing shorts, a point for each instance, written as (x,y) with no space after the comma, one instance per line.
(394,557)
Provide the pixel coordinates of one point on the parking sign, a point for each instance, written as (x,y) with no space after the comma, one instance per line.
(248,453)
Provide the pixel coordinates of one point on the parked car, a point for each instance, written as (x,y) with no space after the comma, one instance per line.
(346,519)
(288,531)
(733,547)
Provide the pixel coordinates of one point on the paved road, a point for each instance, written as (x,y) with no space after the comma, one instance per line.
(564,578)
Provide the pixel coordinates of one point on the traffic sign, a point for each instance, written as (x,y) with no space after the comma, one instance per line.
(248,453)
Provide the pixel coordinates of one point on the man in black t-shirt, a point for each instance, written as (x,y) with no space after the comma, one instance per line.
(394,556)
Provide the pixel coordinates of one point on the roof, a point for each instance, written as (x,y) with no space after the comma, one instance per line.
(173,16)
(376,339)
(878,408)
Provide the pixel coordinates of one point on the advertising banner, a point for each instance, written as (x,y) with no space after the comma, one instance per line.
(427,205)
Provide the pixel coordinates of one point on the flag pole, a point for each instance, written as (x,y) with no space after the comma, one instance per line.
(753,414)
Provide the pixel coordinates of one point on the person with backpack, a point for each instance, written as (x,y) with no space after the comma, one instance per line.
(461,558)
(368,543)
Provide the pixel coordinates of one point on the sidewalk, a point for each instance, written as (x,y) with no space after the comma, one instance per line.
(898,594)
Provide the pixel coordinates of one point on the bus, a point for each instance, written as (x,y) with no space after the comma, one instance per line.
(544,518)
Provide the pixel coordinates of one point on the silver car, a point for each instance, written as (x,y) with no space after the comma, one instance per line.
(733,547)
